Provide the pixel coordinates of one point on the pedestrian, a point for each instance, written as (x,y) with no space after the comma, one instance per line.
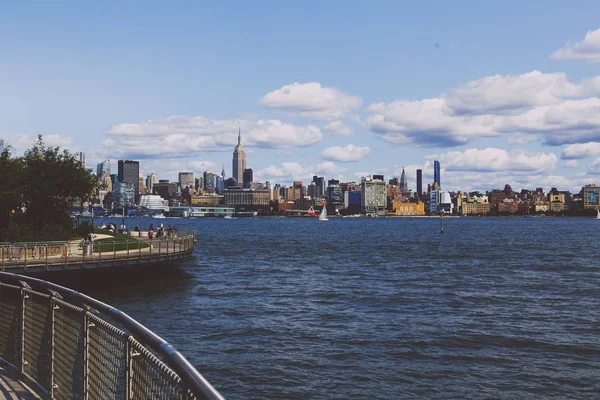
(137,229)
(150,232)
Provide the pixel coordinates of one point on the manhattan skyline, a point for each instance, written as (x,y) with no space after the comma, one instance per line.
(496,93)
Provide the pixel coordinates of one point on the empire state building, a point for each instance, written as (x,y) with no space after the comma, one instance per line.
(239,161)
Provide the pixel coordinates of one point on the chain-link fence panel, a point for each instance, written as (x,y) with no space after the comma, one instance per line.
(151,378)
(10,324)
(37,349)
(107,360)
(69,342)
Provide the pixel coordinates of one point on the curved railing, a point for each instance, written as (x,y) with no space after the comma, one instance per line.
(53,256)
(66,344)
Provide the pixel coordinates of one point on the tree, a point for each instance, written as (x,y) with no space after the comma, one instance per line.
(53,181)
(11,171)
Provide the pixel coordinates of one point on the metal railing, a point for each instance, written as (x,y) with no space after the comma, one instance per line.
(64,343)
(48,256)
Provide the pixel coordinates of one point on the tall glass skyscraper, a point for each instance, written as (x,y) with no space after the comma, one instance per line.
(129,171)
(436,173)
(419,183)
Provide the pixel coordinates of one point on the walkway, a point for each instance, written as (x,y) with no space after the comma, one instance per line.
(11,388)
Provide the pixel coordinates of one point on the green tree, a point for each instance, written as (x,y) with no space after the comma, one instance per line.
(11,188)
(53,181)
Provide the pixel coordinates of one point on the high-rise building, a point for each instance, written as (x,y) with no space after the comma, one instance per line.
(186,179)
(403,182)
(81,157)
(419,183)
(372,194)
(103,170)
(248,177)
(239,161)
(129,171)
(209,181)
(150,181)
(320,183)
(335,195)
(1,145)
(436,173)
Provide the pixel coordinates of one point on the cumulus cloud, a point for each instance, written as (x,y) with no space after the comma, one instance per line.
(570,164)
(521,139)
(291,171)
(580,150)
(514,106)
(184,135)
(594,167)
(588,49)
(500,94)
(338,128)
(349,153)
(312,100)
(493,159)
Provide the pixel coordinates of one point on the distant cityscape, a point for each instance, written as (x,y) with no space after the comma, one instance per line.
(211,194)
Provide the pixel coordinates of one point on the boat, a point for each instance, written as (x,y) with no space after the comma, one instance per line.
(159,216)
(323,216)
(227,217)
(598,215)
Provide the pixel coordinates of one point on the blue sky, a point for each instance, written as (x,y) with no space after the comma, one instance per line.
(499,93)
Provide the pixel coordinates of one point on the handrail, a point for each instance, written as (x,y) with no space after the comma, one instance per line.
(191,378)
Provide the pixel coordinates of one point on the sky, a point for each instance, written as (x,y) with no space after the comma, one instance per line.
(500,93)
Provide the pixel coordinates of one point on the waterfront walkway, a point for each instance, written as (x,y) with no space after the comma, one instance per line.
(12,388)
(54,256)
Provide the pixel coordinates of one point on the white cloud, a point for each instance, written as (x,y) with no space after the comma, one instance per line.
(349,153)
(288,171)
(570,164)
(329,169)
(521,139)
(21,142)
(493,159)
(312,100)
(580,150)
(338,128)
(514,106)
(588,49)
(500,94)
(594,167)
(184,135)
(203,166)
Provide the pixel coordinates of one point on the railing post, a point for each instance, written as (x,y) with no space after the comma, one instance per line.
(83,254)
(24,296)
(99,254)
(114,253)
(86,354)
(25,257)
(127,249)
(159,249)
(139,250)
(46,257)
(2,250)
(53,307)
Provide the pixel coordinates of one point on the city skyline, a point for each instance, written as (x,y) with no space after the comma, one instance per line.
(494,106)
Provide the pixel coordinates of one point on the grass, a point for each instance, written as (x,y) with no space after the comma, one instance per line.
(117,242)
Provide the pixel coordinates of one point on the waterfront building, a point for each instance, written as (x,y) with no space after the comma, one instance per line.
(207,200)
(231,183)
(436,173)
(475,206)
(248,177)
(408,208)
(209,181)
(352,201)
(434,199)
(445,204)
(508,206)
(103,170)
(319,182)
(419,183)
(557,200)
(150,181)
(373,194)
(498,196)
(591,196)
(247,199)
(335,196)
(186,179)
(129,172)
(312,190)
(153,202)
(239,161)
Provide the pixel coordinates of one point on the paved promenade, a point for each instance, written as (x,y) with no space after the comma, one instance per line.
(11,388)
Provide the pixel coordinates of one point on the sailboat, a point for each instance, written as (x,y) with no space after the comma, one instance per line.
(323,215)
(598,216)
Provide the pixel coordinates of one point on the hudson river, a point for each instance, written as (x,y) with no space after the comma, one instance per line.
(279,308)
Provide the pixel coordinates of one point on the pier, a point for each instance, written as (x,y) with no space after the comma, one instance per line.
(75,255)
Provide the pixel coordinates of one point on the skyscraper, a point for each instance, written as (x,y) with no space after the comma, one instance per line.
(239,161)
(320,183)
(186,179)
(103,169)
(1,145)
(403,183)
(209,181)
(436,173)
(81,157)
(419,183)
(129,171)
(248,177)
(150,181)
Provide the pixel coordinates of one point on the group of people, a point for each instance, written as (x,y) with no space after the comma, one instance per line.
(161,232)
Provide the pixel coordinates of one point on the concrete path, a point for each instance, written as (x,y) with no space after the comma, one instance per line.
(11,388)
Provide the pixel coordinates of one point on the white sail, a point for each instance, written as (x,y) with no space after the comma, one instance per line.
(323,216)
(598,216)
